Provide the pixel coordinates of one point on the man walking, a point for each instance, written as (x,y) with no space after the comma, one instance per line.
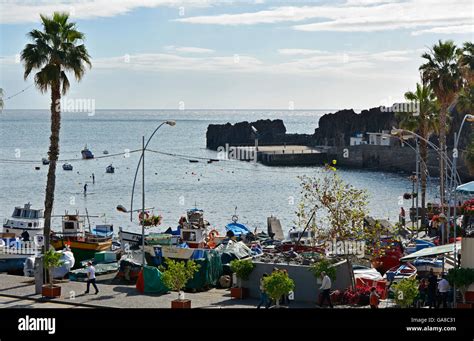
(85,189)
(325,288)
(91,278)
(443,288)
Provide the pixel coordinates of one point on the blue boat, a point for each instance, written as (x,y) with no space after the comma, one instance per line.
(236,228)
(105,230)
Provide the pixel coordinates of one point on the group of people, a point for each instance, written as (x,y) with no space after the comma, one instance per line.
(432,292)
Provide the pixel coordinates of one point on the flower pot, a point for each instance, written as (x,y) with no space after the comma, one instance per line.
(181,304)
(51,291)
(463,305)
(239,293)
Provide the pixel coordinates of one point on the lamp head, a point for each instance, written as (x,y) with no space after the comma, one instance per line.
(121,208)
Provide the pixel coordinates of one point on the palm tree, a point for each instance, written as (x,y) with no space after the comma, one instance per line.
(425,123)
(55,50)
(466,62)
(441,71)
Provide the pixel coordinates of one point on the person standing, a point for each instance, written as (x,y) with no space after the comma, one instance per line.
(432,285)
(91,278)
(326,289)
(443,288)
(422,289)
(374,298)
(402,216)
(85,189)
(93,179)
(264,300)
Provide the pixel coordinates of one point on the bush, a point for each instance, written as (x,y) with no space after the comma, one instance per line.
(406,291)
(278,284)
(242,268)
(323,265)
(51,259)
(461,278)
(178,273)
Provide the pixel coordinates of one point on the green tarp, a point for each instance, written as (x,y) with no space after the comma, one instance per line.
(153,281)
(209,272)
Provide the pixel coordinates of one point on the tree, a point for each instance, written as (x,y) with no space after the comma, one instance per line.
(466,62)
(461,278)
(55,50)
(406,291)
(52,259)
(441,71)
(178,273)
(277,285)
(424,122)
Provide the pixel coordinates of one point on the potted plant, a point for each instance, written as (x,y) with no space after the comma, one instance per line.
(462,278)
(242,269)
(278,284)
(51,259)
(175,277)
(406,291)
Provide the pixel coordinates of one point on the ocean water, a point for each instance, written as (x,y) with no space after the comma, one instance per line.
(173,184)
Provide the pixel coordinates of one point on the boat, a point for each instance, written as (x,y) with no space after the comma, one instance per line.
(14,252)
(110,169)
(130,240)
(67,263)
(45,161)
(25,222)
(105,264)
(417,245)
(82,244)
(105,152)
(424,265)
(67,167)
(235,228)
(103,230)
(86,153)
(399,272)
(299,241)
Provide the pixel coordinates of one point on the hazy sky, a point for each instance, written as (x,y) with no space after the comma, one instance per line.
(239,54)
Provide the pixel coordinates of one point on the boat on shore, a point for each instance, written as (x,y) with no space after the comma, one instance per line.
(397,273)
(25,222)
(82,244)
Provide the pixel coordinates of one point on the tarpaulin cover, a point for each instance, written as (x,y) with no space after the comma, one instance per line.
(152,281)
(209,272)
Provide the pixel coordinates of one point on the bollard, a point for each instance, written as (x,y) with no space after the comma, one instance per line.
(39,274)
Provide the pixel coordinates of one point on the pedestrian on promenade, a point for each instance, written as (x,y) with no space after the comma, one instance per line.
(432,285)
(374,298)
(326,289)
(91,278)
(443,288)
(264,300)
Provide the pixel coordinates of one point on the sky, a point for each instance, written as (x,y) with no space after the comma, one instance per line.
(203,54)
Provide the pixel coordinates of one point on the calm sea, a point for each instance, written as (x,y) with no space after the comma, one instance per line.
(173,184)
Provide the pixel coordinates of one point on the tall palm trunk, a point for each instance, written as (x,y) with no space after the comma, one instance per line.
(442,147)
(53,157)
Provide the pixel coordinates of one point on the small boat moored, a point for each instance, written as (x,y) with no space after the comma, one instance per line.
(45,161)
(110,169)
(67,167)
(86,153)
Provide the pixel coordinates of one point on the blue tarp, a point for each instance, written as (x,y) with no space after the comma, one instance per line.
(237,229)
(422,244)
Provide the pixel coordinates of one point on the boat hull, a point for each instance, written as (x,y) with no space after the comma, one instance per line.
(82,250)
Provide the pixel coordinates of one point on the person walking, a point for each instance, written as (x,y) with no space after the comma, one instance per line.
(85,189)
(325,288)
(93,179)
(443,288)
(432,285)
(264,300)
(374,298)
(91,278)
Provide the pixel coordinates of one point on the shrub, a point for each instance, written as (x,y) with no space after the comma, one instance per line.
(278,284)
(51,259)
(406,291)
(178,273)
(242,268)
(461,278)
(323,265)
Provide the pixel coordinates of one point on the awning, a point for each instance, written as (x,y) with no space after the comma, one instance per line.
(432,251)
(467,188)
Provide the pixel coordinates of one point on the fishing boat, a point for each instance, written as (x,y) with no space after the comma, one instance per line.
(45,161)
(238,230)
(25,222)
(299,241)
(86,153)
(399,272)
(82,244)
(110,169)
(14,252)
(67,167)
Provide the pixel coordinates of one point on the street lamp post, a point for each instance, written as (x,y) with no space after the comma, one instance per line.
(142,163)
(469,118)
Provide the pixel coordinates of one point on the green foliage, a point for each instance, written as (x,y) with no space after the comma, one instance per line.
(51,259)
(323,265)
(461,278)
(469,156)
(242,268)
(278,284)
(178,273)
(406,291)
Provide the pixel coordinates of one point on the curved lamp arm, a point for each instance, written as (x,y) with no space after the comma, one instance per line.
(170,123)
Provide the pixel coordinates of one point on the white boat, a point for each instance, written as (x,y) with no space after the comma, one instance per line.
(14,251)
(133,240)
(25,222)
